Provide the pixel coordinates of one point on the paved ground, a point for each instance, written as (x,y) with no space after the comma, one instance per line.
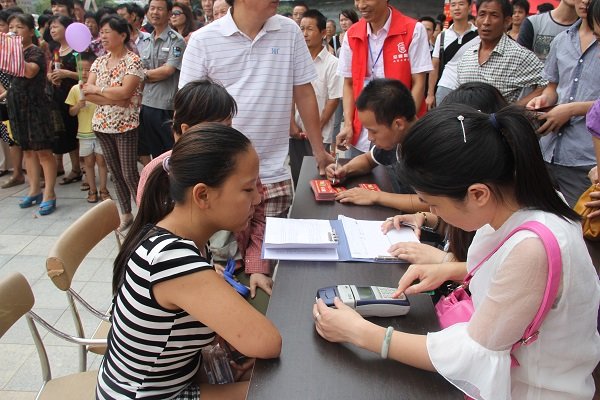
(25,239)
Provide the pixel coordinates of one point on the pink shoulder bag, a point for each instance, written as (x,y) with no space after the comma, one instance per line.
(458,305)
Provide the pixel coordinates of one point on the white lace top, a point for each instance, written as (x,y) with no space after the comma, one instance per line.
(507,291)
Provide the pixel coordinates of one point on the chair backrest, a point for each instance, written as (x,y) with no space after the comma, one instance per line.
(78,240)
(16,300)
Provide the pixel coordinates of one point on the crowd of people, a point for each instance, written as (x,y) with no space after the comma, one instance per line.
(483,120)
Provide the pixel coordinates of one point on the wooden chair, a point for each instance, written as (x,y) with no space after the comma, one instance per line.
(16,300)
(66,256)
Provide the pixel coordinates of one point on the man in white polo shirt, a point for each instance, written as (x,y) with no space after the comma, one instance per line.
(262,60)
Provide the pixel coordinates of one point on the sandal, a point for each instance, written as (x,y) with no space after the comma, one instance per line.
(105,195)
(47,207)
(70,179)
(92,197)
(85,187)
(28,201)
(12,182)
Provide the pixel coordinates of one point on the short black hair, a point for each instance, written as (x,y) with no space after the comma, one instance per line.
(169,4)
(68,3)
(88,56)
(116,23)
(524,4)
(317,16)
(350,14)
(43,20)
(388,99)
(428,19)
(545,7)
(126,6)
(138,10)
(300,4)
(505,6)
(88,14)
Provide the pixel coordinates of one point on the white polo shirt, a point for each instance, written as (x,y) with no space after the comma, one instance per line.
(328,86)
(418,52)
(449,77)
(260,75)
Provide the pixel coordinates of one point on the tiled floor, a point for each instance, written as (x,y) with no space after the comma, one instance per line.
(25,239)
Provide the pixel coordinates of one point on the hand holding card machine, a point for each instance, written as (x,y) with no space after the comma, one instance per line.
(368,301)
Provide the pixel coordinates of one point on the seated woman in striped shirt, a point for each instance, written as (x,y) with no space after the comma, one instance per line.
(169,302)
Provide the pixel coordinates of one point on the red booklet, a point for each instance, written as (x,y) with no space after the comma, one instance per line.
(324,190)
(370,186)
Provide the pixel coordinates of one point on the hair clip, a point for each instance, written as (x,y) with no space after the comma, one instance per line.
(165,164)
(461,119)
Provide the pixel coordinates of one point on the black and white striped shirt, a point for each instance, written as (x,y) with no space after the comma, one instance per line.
(153,352)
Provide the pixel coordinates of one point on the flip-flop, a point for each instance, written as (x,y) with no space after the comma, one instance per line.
(84,187)
(70,179)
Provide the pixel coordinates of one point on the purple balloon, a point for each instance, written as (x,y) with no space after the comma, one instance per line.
(78,36)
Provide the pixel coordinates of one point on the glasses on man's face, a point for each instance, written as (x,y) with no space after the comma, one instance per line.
(176,13)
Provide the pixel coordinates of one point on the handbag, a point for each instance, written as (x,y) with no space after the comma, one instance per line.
(590,227)
(458,305)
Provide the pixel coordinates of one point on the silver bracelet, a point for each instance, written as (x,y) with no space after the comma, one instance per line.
(385,346)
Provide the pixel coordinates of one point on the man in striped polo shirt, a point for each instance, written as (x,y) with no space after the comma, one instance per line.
(262,60)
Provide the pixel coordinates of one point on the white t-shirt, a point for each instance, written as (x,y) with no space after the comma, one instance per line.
(507,291)
(328,86)
(260,75)
(418,52)
(449,77)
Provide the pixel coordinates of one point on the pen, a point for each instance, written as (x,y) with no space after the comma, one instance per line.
(407,224)
(337,158)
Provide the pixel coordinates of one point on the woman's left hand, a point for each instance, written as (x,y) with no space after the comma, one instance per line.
(58,74)
(337,324)
(241,372)
(262,281)
(417,253)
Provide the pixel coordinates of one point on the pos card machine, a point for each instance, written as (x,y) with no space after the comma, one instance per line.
(368,301)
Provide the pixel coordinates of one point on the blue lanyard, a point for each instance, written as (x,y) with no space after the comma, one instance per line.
(376,60)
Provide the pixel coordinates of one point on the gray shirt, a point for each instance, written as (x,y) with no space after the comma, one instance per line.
(577,76)
(155,52)
(538,31)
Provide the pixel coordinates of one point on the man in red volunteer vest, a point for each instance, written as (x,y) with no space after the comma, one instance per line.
(383,44)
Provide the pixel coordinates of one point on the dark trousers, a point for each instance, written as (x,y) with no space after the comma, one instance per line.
(155,133)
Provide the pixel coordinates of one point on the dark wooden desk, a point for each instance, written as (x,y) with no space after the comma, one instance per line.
(311,368)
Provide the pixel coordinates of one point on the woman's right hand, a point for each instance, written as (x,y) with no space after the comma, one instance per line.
(415,220)
(428,276)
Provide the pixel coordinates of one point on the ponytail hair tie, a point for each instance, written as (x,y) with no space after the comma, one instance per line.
(165,165)
(494,121)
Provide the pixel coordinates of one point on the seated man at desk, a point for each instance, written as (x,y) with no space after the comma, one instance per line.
(387,110)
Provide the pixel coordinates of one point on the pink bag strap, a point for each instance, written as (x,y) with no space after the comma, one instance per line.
(554,273)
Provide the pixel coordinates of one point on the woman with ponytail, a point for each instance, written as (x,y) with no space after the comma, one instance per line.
(169,302)
(484,172)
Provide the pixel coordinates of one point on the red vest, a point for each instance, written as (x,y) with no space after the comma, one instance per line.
(396,62)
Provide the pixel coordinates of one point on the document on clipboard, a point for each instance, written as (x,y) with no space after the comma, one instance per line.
(344,239)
